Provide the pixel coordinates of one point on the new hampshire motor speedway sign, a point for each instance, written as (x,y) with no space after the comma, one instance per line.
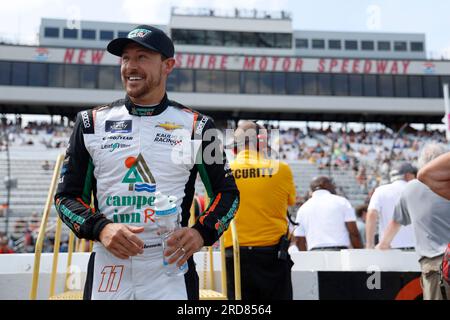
(235,62)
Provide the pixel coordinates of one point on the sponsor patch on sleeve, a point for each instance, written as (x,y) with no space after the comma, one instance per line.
(201,124)
(88,122)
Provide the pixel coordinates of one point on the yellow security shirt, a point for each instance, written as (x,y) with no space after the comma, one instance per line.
(266,189)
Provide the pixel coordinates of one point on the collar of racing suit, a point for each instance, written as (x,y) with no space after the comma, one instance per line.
(137,110)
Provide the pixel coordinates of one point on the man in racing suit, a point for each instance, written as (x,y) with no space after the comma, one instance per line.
(122,154)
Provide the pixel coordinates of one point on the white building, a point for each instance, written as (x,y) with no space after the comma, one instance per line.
(240,64)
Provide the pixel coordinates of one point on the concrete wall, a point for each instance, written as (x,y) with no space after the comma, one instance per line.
(16,270)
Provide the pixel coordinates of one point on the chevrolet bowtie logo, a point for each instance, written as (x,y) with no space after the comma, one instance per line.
(169,126)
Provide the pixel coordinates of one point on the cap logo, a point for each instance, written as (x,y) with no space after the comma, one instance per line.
(138,33)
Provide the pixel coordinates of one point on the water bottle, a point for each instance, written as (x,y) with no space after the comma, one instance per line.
(168,220)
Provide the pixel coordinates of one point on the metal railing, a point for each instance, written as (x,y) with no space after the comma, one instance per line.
(236,13)
(42,228)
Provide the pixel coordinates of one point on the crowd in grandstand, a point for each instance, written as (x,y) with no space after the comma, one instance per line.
(51,135)
(368,154)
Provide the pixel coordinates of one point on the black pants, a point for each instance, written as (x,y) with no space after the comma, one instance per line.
(263,275)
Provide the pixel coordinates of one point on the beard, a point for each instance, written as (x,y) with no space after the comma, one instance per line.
(149,85)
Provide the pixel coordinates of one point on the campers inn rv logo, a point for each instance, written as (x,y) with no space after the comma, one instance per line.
(139,172)
(140,180)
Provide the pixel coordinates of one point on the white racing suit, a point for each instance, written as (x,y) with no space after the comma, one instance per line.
(122,154)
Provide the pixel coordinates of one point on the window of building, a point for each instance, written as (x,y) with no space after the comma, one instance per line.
(88,34)
(55,75)
(302,43)
(384,46)
(185,81)
(5,73)
(50,32)
(196,37)
(444,80)
(294,83)
(106,35)
(318,44)
(232,39)
(232,81)
(180,36)
(279,83)
(356,85)
(385,86)
(71,76)
(218,81)
(19,74)
(415,86)
(214,38)
(370,85)
(400,46)
(340,84)
(249,39)
(283,40)
(310,84)
(367,45)
(335,44)
(265,83)
(38,75)
(118,85)
(324,84)
(351,45)
(106,77)
(417,46)
(431,86)
(209,81)
(70,33)
(250,82)
(202,81)
(401,86)
(88,76)
(122,34)
(266,40)
(171,84)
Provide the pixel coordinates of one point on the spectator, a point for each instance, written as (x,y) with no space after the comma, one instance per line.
(34,222)
(326,221)
(381,207)
(361,215)
(46,165)
(361,178)
(429,215)
(4,247)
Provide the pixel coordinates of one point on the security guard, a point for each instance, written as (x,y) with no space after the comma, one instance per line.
(267,189)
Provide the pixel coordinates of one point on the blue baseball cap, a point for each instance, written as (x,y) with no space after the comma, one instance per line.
(147,36)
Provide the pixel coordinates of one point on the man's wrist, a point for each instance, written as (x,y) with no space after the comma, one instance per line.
(209,236)
(99,226)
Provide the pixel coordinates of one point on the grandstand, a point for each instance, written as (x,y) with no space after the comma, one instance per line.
(33,152)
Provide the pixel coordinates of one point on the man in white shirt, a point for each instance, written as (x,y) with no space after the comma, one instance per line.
(381,209)
(326,221)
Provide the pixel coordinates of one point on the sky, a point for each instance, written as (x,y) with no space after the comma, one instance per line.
(20,19)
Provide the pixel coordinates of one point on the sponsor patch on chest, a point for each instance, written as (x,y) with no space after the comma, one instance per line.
(121,126)
(168,138)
